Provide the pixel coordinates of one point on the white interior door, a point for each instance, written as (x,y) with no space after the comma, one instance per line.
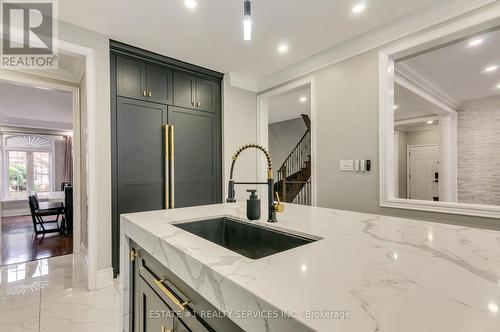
(423,165)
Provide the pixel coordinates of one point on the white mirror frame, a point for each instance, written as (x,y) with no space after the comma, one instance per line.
(466,26)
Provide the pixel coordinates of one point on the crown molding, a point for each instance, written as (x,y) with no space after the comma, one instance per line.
(422,81)
(242,82)
(425,18)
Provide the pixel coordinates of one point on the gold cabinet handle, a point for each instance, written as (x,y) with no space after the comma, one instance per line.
(150,94)
(167,157)
(164,329)
(172,166)
(144,93)
(170,295)
(193,103)
(198,104)
(133,255)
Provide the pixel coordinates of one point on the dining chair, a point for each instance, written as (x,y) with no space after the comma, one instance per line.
(41,217)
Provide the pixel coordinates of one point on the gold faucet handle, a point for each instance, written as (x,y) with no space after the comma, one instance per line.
(280,208)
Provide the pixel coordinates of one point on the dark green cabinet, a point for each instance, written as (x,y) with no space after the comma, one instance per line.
(148,93)
(140,163)
(196,158)
(206,95)
(138,80)
(196,93)
(157,295)
(131,78)
(159,85)
(153,315)
(184,90)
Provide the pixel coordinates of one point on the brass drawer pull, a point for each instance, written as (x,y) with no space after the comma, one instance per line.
(150,94)
(170,295)
(144,93)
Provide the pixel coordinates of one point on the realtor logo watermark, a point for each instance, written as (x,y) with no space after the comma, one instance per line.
(29,34)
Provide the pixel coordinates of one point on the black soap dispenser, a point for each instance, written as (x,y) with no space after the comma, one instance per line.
(253,206)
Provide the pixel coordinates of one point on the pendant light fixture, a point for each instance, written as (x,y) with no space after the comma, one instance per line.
(247,20)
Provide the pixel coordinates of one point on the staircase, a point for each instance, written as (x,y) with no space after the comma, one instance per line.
(293,180)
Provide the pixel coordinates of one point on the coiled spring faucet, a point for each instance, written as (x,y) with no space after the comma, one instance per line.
(273,206)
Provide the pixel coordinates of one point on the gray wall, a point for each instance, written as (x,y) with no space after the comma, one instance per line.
(347,128)
(420,137)
(401,165)
(283,137)
(479,153)
(240,128)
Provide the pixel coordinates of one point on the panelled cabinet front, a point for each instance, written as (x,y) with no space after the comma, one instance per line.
(149,168)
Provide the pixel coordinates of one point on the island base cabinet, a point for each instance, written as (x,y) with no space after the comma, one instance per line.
(153,314)
(165,303)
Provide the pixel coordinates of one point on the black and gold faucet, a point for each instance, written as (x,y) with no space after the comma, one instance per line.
(273,206)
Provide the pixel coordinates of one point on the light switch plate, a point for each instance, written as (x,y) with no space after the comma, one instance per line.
(346,165)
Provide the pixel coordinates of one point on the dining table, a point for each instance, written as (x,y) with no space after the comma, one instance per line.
(56,197)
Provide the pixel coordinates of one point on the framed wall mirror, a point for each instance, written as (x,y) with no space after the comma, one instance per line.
(440,119)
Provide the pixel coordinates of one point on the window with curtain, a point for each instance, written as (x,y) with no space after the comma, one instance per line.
(29,165)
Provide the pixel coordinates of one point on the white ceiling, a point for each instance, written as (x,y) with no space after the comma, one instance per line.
(411,105)
(288,106)
(211,35)
(457,69)
(26,106)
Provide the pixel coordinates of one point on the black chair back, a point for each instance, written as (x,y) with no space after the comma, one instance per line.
(65,184)
(34,206)
(68,208)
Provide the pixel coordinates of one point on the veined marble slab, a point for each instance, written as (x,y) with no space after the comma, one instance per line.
(382,273)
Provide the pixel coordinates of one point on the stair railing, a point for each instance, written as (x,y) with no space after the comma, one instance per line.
(295,161)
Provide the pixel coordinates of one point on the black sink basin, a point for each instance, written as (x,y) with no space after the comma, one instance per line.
(246,239)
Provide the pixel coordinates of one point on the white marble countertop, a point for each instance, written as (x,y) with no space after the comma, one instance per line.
(387,274)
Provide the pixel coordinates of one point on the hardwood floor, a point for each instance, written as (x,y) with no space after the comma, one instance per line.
(20,245)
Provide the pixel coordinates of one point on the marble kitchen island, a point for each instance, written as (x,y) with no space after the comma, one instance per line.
(367,273)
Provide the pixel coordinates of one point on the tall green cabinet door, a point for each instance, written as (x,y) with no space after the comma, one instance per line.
(196,157)
(140,155)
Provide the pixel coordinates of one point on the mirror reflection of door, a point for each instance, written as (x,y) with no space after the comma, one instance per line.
(423,166)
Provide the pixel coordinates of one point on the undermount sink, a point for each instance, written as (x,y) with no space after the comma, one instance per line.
(249,240)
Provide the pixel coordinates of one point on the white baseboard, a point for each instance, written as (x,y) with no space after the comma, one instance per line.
(104,278)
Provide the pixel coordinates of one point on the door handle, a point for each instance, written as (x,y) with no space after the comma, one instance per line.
(167,154)
(172,165)
(170,295)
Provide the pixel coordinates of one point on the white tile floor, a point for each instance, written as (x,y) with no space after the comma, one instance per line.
(51,295)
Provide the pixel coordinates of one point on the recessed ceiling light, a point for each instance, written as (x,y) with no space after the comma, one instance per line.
(493,307)
(476,42)
(490,69)
(395,107)
(283,48)
(430,122)
(191,4)
(360,7)
(303,99)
